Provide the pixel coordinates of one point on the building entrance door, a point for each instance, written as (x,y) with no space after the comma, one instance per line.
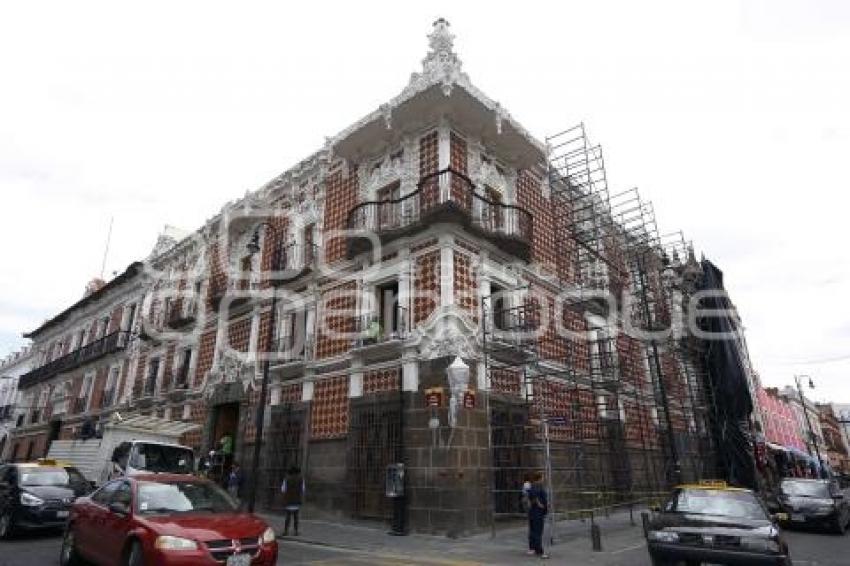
(225,425)
(53,430)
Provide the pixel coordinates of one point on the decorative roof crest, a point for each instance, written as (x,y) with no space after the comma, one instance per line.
(441,65)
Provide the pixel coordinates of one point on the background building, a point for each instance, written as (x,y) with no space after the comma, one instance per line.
(11,368)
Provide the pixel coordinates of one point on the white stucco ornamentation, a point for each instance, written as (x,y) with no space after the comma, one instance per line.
(441,67)
(448,332)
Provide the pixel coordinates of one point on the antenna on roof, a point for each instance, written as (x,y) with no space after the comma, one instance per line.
(106,248)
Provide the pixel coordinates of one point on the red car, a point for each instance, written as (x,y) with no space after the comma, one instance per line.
(165,519)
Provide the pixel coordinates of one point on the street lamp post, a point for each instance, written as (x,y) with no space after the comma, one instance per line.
(253,248)
(812,436)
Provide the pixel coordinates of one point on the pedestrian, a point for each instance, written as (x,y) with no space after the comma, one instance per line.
(234,481)
(538,507)
(293,494)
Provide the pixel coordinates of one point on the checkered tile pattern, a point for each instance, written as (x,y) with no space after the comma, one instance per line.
(630,356)
(217,285)
(239,334)
(426,286)
(506,381)
(466,285)
(530,197)
(429,154)
(380,380)
(639,428)
(341,195)
(457,161)
(290,393)
(329,416)
(206,354)
(339,299)
(576,406)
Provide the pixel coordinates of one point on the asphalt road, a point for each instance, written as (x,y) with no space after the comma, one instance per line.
(807,549)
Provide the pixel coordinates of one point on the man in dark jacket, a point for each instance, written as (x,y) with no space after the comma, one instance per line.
(538,506)
(293,494)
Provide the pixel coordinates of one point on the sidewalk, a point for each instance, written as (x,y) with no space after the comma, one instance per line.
(622,543)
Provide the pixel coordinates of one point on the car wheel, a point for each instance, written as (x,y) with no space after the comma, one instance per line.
(7,527)
(135,556)
(68,555)
(660,561)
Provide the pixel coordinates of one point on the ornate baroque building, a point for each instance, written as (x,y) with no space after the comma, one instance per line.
(409,241)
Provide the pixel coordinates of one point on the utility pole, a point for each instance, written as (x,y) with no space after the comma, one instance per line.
(812,436)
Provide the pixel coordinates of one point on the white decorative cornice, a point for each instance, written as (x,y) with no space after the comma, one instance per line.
(441,67)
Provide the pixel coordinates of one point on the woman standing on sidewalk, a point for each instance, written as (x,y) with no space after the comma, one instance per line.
(293,493)
(538,506)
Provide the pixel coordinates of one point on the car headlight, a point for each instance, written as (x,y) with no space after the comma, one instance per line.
(30,500)
(268,536)
(760,544)
(663,536)
(167,542)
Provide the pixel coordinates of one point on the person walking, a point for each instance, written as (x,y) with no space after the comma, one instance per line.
(293,495)
(234,481)
(538,507)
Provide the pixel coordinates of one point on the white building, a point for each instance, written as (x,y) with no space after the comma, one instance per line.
(11,368)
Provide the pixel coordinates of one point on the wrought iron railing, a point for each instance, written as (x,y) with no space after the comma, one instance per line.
(370,328)
(90,352)
(445,190)
(293,348)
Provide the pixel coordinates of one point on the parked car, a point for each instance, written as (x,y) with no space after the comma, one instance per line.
(38,495)
(712,523)
(160,519)
(815,502)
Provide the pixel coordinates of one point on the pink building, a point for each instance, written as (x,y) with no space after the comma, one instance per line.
(780,421)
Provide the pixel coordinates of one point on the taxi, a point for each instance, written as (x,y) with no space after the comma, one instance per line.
(710,522)
(38,495)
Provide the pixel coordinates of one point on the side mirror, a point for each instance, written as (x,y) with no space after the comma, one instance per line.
(119,508)
(780,517)
(655,509)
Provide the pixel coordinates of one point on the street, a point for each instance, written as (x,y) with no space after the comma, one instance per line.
(625,549)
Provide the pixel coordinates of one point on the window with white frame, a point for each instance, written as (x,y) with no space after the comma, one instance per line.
(84,397)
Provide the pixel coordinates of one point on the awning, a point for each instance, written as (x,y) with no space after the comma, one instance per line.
(153,425)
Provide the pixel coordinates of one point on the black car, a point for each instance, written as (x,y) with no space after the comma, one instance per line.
(715,524)
(37,495)
(814,502)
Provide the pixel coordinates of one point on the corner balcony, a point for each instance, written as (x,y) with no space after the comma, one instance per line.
(295,260)
(109,344)
(445,196)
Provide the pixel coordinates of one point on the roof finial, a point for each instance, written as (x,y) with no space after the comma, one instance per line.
(442,63)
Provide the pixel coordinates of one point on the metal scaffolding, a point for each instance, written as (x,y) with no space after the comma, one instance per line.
(611,413)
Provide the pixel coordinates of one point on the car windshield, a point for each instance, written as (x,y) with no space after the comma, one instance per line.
(183,497)
(740,504)
(162,458)
(805,488)
(44,476)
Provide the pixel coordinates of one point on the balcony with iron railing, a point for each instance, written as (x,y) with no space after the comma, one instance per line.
(373,331)
(295,260)
(445,196)
(182,313)
(109,344)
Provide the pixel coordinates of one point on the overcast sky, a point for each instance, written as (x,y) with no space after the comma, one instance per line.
(733,118)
